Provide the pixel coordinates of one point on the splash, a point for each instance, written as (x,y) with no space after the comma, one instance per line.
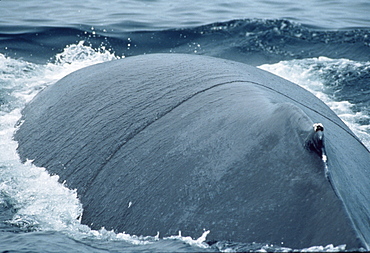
(79,55)
(200,242)
(39,201)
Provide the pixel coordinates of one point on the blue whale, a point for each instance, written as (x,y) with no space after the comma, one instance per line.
(168,142)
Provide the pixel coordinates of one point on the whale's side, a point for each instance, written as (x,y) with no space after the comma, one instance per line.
(167,143)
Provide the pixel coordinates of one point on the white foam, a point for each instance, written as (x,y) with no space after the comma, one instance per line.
(307,74)
(39,200)
(327,248)
(275,248)
(200,242)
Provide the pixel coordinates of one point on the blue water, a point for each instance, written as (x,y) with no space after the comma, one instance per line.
(324,46)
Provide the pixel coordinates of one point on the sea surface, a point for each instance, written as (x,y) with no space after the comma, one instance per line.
(322,45)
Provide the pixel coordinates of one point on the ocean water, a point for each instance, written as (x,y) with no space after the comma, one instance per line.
(324,46)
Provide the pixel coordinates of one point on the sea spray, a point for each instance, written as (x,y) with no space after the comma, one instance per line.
(39,201)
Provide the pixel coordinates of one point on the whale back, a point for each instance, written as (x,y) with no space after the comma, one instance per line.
(167,143)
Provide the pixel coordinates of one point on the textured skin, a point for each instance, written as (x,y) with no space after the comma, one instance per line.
(166,142)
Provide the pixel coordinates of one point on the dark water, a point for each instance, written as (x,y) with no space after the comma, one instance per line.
(323,46)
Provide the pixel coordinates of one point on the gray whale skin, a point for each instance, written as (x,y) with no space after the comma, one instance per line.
(167,143)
